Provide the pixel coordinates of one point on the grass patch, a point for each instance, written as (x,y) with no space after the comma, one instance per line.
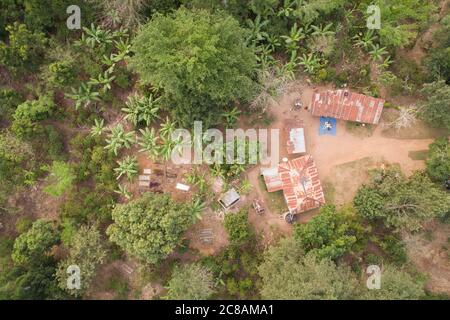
(329,190)
(275,200)
(359,130)
(119,285)
(418,155)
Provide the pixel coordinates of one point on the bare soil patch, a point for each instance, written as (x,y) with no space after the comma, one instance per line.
(430,252)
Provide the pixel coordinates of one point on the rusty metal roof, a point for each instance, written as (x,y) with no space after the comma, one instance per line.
(299,180)
(347,105)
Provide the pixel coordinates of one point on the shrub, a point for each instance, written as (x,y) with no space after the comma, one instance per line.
(238,227)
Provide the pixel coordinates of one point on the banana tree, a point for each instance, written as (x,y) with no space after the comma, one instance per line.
(295,36)
(386,62)
(256,32)
(196,208)
(377,52)
(104,80)
(321,31)
(127,167)
(167,128)
(119,139)
(365,40)
(98,36)
(84,96)
(142,109)
(310,62)
(123,49)
(166,149)
(98,128)
(273,42)
(149,142)
(289,68)
(123,191)
(231,117)
(109,62)
(288,9)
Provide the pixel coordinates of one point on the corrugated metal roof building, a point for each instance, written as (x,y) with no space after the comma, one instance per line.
(347,105)
(299,180)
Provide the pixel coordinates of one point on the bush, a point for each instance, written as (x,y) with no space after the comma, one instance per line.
(238,228)
(395,249)
(9,100)
(25,49)
(60,179)
(438,162)
(29,113)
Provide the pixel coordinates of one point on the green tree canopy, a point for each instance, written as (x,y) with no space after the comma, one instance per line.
(401,203)
(60,178)
(34,243)
(25,49)
(332,233)
(190,282)
(288,273)
(150,227)
(87,252)
(238,227)
(396,284)
(199,59)
(436,109)
(438,162)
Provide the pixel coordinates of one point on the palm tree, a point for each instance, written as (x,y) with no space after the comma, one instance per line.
(84,96)
(123,191)
(98,128)
(365,40)
(320,31)
(377,52)
(295,36)
(196,208)
(118,139)
(142,109)
(167,128)
(128,167)
(231,117)
(149,142)
(103,80)
(310,62)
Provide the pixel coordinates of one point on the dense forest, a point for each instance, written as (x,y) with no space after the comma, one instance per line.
(82,108)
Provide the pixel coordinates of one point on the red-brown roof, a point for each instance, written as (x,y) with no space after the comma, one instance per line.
(299,180)
(347,105)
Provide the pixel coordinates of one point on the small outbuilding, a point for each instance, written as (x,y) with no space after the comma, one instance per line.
(229,198)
